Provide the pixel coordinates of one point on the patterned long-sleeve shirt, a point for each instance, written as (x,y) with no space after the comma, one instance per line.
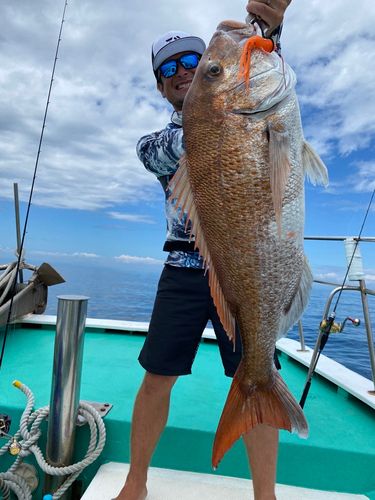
(160,153)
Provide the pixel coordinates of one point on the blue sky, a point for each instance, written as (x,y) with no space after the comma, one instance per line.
(93,199)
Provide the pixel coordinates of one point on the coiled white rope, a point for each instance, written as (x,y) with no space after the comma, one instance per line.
(11,482)
(30,432)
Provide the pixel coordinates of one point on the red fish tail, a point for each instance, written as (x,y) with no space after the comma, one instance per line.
(273,405)
(254,42)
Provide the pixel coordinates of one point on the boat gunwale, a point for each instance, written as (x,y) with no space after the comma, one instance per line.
(336,373)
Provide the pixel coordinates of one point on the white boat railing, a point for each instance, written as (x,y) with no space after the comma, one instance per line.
(338,289)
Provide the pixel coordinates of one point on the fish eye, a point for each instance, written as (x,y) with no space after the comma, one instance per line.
(214,69)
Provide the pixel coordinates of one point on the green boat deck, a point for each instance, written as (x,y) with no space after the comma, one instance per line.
(339,454)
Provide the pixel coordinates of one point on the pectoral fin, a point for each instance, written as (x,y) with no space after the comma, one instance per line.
(279,146)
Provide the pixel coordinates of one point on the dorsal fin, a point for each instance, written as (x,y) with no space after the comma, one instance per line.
(315,169)
(182,192)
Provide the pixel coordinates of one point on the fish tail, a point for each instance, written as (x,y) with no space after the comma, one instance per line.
(254,42)
(273,405)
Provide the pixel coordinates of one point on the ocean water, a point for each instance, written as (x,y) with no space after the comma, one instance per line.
(127,293)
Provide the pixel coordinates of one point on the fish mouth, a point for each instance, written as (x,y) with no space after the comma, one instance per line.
(247,112)
(237,31)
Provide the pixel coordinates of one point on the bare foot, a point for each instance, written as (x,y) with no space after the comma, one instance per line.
(132,491)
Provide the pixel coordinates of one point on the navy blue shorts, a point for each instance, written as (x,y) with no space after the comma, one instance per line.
(182,308)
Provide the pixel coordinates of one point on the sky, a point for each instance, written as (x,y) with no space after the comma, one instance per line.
(93,200)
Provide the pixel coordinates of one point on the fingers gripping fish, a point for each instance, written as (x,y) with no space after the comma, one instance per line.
(241,182)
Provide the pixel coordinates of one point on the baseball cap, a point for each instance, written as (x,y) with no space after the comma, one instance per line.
(172,43)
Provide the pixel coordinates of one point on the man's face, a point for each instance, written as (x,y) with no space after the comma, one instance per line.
(175,88)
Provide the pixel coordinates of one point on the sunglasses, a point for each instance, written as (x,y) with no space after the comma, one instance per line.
(187,61)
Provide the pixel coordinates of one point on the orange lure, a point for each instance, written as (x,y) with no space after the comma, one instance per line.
(254,42)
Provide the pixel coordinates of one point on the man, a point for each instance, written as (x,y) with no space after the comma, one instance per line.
(183,304)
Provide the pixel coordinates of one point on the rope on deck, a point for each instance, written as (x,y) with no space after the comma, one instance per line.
(30,433)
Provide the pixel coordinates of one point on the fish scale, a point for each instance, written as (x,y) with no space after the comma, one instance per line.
(241,182)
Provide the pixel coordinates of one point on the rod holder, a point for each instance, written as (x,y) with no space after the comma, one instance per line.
(66,381)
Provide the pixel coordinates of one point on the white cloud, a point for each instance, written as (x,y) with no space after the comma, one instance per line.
(333,54)
(104,96)
(132,259)
(131,217)
(85,255)
(328,276)
(4,248)
(337,277)
(364,180)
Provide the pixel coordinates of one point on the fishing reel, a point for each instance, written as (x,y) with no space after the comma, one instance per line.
(14,447)
(338,327)
(5,422)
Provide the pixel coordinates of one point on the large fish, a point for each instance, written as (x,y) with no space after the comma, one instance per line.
(242,185)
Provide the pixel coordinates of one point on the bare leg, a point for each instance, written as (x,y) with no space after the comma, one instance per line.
(261,446)
(150,416)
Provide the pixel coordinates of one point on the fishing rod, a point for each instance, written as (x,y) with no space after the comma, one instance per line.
(21,246)
(327,324)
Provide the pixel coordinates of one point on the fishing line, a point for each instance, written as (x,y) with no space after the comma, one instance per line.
(20,252)
(326,329)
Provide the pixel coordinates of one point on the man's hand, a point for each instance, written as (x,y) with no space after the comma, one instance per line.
(270,11)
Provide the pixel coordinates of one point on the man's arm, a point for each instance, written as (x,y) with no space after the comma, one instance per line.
(161,151)
(270,11)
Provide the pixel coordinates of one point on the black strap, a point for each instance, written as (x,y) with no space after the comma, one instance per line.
(179,246)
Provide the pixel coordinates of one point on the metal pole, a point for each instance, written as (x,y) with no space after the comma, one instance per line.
(66,379)
(301,337)
(18,230)
(370,339)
